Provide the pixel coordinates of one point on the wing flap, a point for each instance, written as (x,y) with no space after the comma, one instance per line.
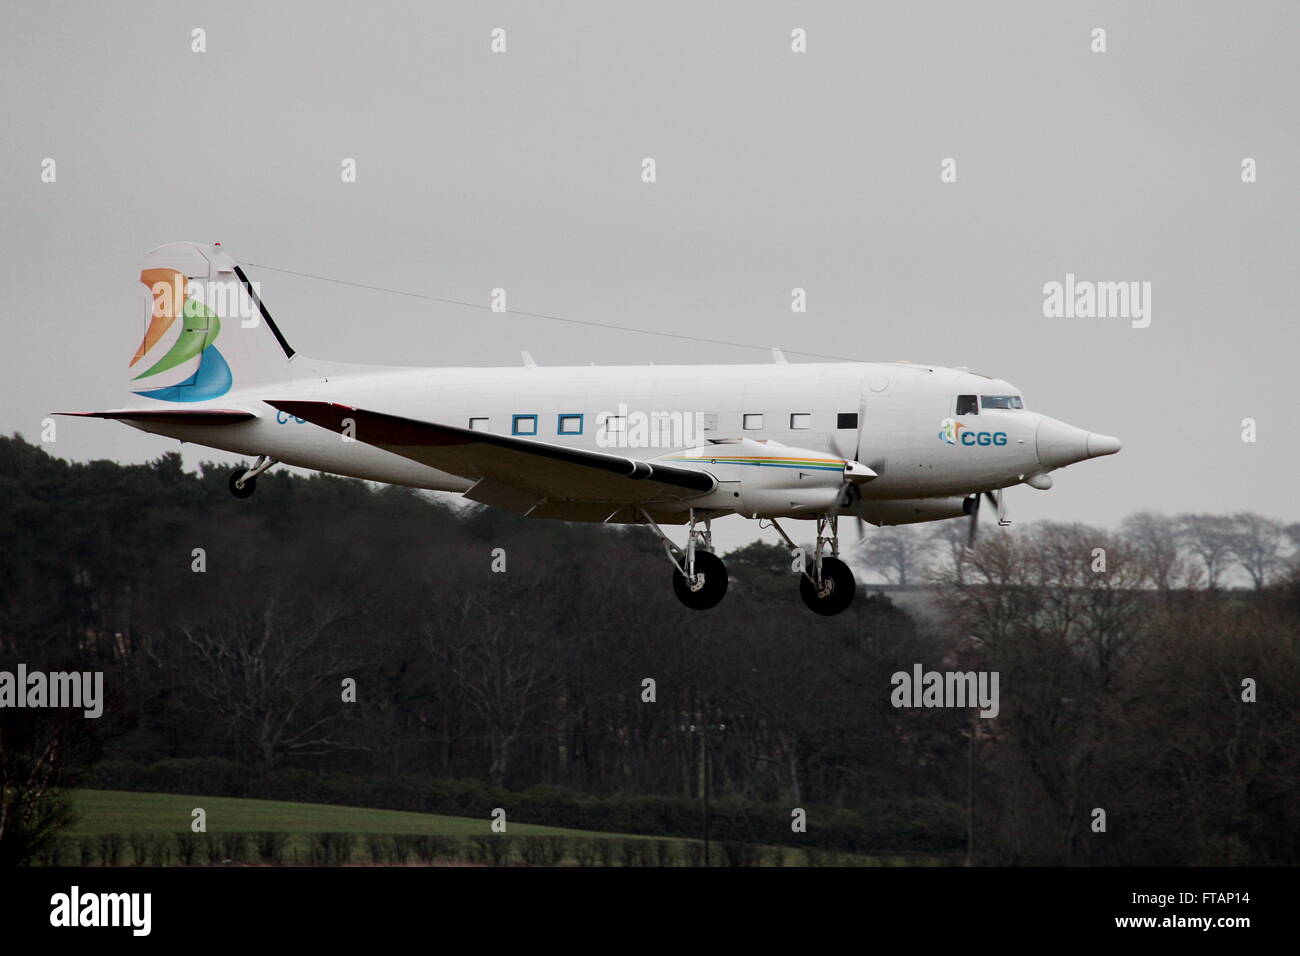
(498,495)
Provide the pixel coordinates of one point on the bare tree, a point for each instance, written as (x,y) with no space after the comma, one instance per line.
(1078,584)
(951,539)
(1158,537)
(1257,546)
(1293,533)
(261,665)
(1209,537)
(504,666)
(899,552)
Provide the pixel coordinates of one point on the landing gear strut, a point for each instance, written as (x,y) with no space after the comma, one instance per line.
(828,586)
(699,576)
(244,483)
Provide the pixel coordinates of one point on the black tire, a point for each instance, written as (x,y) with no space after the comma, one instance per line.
(707,592)
(838,588)
(250,484)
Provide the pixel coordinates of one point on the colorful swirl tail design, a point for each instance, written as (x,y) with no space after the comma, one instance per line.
(199,330)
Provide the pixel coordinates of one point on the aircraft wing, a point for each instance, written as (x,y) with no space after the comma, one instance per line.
(517,473)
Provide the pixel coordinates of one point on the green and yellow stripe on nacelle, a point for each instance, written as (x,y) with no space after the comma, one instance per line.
(803,464)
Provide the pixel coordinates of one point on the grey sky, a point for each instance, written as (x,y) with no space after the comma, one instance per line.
(775,170)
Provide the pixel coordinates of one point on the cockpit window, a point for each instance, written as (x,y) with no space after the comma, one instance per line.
(967,405)
(1001,401)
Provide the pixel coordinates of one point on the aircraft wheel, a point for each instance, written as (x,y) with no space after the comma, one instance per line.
(250,484)
(709,586)
(836,592)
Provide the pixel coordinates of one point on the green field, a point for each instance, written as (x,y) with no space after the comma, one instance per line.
(116,827)
(119,811)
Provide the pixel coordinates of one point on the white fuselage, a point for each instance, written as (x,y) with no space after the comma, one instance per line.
(904,410)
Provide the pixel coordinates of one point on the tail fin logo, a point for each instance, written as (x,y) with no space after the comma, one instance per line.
(187,366)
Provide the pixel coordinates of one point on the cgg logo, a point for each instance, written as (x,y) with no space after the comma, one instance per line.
(955,433)
(283,418)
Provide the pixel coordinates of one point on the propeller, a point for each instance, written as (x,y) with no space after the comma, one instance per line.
(855,473)
(972,508)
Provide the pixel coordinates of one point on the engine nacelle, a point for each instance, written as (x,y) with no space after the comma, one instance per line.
(767,479)
(912,510)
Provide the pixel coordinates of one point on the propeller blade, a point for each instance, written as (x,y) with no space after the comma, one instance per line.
(857,442)
(862,420)
(850,494)
(972,524)
(995,499)
(843,499)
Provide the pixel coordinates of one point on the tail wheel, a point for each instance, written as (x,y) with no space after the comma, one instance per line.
(709,586)
(836,590)
(244,489)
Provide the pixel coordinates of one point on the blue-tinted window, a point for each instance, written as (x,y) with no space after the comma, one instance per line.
(523,425)
(569,425)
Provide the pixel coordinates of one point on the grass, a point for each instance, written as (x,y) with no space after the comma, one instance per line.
(119,811)
(131,819)
(108,814)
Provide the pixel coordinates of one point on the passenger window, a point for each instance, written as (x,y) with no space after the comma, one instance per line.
(478,424)
(846,420)
(967,405)
(524,425)
(753,420)
(569,425)
(800,420)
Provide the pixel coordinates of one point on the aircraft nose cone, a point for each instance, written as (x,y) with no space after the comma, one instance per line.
(1060,444)
(1099,445)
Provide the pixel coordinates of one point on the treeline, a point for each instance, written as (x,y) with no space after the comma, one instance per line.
(337,642)
(1209,551)
(1174,711)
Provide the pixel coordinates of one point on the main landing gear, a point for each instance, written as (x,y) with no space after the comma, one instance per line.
(828,586)
(699,576)
(243,483)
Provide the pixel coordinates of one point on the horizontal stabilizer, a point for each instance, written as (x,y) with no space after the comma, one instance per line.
(180,416)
